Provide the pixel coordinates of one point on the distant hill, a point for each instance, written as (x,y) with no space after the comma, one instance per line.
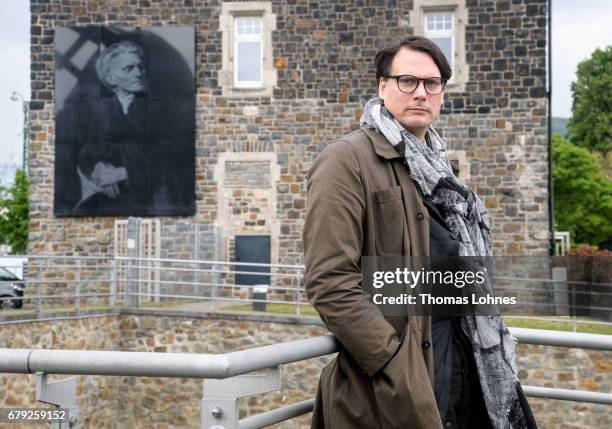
(559,125)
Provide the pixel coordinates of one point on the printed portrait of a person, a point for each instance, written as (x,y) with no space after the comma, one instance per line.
(125,143)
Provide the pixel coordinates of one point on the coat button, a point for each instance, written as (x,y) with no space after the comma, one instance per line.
(425,344)
(420,216)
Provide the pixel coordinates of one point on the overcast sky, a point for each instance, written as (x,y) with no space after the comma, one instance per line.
(578,28)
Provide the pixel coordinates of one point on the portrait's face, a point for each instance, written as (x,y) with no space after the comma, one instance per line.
(126,73)
(417,110)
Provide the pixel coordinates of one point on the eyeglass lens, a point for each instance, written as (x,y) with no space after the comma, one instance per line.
(433,85)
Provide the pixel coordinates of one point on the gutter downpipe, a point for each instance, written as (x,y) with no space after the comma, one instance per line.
(551,196)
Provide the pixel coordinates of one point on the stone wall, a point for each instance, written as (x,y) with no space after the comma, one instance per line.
(139,402)
(323,54)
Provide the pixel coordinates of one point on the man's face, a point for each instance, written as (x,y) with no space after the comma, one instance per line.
(416,110)
(126,73)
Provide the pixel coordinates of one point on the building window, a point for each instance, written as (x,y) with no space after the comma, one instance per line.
(247,59)
(443,22)
(440,28)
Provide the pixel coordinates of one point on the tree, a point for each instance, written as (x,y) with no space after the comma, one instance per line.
(583,196)
(14,213)
(591,123)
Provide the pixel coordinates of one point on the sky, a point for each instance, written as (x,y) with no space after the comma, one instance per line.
(578,28)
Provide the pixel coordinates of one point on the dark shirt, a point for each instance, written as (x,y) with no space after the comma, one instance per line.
(456,385)
(441,244)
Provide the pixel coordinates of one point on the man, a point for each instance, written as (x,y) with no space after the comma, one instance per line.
(112,172)
(389,190)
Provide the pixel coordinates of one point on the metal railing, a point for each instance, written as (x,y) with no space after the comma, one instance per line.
(225,379)
(75,282)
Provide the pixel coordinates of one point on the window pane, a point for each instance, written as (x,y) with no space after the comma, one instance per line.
(248,25)
(445,44)
(430,22)
(249,62)
(448,21)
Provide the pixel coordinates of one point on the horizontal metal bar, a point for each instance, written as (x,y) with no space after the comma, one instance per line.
(533,290)
(209,270)
(89,362)
(219,285)
(568,395)
(277,415)
(180,365)
(191,261)
(66,282)
(32,297)
(294,410)
(575,282)
(43,256)
(563,339)
(210,298)
(246,361)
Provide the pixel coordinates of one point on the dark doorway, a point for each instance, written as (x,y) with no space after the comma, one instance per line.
(252,249)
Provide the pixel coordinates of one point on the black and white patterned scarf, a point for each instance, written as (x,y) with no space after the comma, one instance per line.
(465,215)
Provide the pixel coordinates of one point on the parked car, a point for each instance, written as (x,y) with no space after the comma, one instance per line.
(10,287)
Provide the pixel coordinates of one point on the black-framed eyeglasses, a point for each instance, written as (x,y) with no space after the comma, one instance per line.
(408,83)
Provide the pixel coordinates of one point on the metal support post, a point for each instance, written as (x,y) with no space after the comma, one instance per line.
(113,284)
(220,397)
(560,296)
(133,247)
(61,393)
(39,288)
(77,292)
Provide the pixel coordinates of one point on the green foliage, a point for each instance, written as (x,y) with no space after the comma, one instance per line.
(583,196)
(591,123)
(14,213)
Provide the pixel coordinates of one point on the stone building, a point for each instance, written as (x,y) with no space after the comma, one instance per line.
(256,137)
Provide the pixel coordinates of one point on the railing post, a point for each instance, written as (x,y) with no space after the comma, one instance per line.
(560,297)
(113,285)
(61,393)
(133,243)
(39,287)
(220,397)
(77,292)
(297,296)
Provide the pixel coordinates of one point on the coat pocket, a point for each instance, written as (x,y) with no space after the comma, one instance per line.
(389,221)
(402,388)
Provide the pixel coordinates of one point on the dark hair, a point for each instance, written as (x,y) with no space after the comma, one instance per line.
(384,57)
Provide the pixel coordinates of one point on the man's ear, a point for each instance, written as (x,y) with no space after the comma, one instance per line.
(382,88)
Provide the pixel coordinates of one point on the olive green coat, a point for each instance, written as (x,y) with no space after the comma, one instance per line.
(362,201)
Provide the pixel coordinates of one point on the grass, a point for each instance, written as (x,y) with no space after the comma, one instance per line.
(283,309)
(308,310)
(553,325)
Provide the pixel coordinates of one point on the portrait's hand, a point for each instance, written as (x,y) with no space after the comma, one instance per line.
(106,176)
(111,190)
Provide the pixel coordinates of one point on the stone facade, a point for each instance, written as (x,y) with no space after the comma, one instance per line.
(323,56)
(139,402)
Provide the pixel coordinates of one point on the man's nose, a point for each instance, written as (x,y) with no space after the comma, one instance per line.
(137,71)
(420,92)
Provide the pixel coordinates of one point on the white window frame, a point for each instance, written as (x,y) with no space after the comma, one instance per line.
(227,76)
(443,33)
(248,38)
(418,23)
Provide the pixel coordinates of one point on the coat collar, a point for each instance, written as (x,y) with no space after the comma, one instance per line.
(382,147)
